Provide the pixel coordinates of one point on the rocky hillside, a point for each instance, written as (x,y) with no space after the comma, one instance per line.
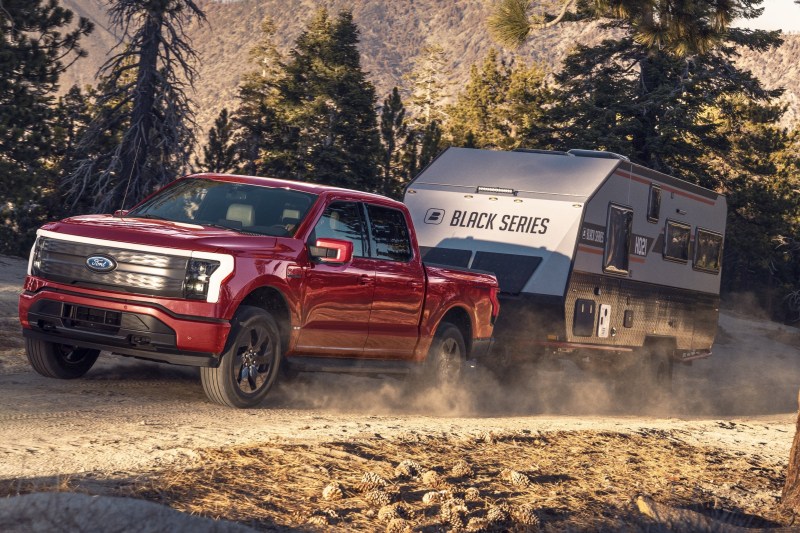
(392,35)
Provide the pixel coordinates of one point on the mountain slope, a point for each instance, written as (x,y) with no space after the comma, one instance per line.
(392,35)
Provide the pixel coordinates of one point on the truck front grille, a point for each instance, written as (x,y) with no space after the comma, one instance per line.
(135,272)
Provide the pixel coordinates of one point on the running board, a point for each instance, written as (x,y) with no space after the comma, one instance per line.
(349,365)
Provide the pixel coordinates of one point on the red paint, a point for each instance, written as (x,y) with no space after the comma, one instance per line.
(360,307)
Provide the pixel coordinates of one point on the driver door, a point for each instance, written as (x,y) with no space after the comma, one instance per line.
(337,298)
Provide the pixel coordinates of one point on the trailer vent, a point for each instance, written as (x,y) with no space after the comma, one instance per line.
(446,256)
(512,271)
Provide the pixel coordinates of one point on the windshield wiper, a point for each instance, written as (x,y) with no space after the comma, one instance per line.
(220,226)
(147,215)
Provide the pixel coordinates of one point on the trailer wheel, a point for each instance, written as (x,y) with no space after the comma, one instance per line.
(61,361)
(251,361)
(647,380)
(444,365)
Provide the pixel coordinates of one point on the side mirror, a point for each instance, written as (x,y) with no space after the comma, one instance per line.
(332,251)
(121,212)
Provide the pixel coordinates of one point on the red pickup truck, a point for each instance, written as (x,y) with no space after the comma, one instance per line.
(245,277)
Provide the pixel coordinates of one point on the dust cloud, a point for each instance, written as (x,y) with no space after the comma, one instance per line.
(754,370)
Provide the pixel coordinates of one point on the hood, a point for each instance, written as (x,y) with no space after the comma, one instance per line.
(162,233)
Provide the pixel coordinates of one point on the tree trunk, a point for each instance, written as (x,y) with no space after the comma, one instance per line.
(791,491)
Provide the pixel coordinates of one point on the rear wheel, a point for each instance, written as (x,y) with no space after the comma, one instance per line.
(251,361)
(447,356)
(61,361)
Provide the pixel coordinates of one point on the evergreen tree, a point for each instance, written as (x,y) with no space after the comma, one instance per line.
(35,47)
(426,87)
(394,137)
(152,109)
(318,120)
(219,154)
(500,107)
(256,117)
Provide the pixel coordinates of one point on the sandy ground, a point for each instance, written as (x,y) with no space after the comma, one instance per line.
(131,416)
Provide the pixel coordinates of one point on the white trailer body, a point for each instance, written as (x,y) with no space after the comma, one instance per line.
(593,253)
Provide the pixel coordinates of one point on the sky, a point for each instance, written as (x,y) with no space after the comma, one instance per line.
(778,15)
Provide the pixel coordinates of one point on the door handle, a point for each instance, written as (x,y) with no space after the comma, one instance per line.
(366,280)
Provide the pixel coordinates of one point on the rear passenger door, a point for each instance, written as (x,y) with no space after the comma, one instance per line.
(337,297)
(399,285)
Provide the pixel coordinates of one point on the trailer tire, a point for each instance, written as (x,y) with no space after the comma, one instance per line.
(60,361)
(444,365)
(250,363)
(647,381)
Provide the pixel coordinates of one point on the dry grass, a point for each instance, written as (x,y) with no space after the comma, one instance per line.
(577,481)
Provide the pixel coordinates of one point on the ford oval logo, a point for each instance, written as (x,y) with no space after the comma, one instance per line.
(100,263)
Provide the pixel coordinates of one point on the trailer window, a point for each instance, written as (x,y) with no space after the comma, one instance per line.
(676,241)
(389,233)
(707,250)
(446,256)
(618,239)
(654,203)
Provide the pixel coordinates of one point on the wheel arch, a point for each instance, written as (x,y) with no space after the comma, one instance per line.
(460,318)
(272,300)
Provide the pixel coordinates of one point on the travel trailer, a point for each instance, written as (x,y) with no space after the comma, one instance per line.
(599,259)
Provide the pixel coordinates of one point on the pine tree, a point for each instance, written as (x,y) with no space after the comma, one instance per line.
(394,138)
(258,124)
(219,155)
(152,109)
(36,46)
(426,87)
(501,106)
(320,122)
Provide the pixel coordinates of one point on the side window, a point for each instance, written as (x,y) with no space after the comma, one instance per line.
(676,241)
(341,220)
(654,203)
(389,234)
(618,239)
(707,250)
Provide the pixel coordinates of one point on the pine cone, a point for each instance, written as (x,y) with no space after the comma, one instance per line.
(318,520)
(526,515)
(398,525)
(453,513)
(461,469)
(432,479)
(407,469)
(431,497)
(498,514)
(387,513)
(515,478)
(371,481)
(379,498)
(472,494)
(477,525)
(332,491)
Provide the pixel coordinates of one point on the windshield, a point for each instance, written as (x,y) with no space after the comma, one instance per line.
(236,206)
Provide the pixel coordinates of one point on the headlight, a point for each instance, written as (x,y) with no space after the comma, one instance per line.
(36,259)
(198,273)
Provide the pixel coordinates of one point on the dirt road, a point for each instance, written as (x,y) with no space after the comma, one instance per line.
(131,415)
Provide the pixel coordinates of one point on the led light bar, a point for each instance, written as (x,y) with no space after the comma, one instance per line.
(497,190)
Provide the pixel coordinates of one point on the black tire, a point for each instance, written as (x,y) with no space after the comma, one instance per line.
(444,365)
(250,363)
(61,361)
(647,380)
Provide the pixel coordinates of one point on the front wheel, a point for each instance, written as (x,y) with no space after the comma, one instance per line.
(250,363)
(61,361)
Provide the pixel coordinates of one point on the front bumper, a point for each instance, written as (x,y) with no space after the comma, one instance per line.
(138,329)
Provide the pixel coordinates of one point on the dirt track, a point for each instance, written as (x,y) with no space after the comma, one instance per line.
(128,415)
